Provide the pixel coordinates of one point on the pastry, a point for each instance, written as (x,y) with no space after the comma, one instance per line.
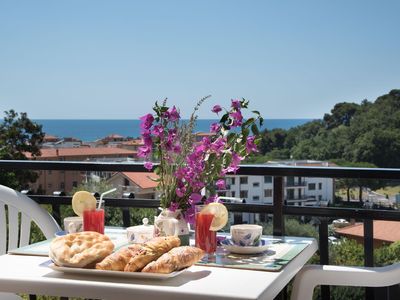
(118,260)
(174,260)
(150,251)
(81,249)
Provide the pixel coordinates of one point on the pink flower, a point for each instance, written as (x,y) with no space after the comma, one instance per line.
(220,184)
(235,103)
(250,145)
(190,215)
(148,165)
(211,199)
(216,109)
(180,192)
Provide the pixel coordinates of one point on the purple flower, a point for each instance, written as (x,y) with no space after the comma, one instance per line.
(215,127)
(236,103)
(180,192)
(194,198)
(211,199)
(190,215)
(148,165)
(216,109)
(218,145)
(250,145)
(158,130)
(173,206)
(237,118)
(146,121)
(220,184)
(144,151)
(173,114)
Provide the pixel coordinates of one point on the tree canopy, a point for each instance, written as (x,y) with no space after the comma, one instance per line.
(366,132)
(19,135)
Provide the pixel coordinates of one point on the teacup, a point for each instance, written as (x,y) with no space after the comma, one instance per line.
(246,234)
(73,224)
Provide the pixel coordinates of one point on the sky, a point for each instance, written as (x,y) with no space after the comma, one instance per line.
(113,59)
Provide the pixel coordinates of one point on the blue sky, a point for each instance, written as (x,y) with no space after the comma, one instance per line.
(114,59)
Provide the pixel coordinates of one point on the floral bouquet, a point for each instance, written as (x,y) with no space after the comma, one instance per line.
(191,171)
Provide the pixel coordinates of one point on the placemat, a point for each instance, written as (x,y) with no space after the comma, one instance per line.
(274,259)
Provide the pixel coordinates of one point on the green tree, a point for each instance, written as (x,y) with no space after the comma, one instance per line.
(19,136)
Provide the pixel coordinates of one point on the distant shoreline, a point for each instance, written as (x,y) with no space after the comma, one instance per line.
(94,129)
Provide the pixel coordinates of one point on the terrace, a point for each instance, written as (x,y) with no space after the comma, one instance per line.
(278,210)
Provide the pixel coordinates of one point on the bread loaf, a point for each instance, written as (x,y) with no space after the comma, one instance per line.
(174,260)
(118,260)
(150,251)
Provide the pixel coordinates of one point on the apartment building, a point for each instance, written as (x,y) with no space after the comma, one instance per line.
(54,180)
(300,191)
(140,184)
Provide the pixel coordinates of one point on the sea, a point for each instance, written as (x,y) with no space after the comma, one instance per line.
(91,130)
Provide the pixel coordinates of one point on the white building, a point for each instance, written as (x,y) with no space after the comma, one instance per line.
(300,191)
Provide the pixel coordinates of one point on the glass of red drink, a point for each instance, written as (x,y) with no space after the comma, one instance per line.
(205,238)
(93,220)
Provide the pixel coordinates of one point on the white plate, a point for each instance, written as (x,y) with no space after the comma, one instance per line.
(231,247)
(95,272)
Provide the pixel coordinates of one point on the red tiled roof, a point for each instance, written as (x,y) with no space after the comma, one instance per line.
(114,136)
(83,151)
(142,179)
(385,231)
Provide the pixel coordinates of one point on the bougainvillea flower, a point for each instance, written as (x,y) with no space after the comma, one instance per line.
(215,127)
(250,145)
(195,198)
(173,114)
(216,109)
(220,184)
(235,103)
(148,165)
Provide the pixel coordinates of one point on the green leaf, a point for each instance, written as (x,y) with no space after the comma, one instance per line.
(254,129)
(224,118)
(248,122)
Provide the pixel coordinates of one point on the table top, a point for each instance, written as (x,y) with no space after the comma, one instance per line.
(30,274)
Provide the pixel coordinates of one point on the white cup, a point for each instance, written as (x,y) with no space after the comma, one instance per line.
(246,234)
(73,224)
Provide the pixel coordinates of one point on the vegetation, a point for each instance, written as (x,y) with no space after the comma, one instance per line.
(18,136)
(354,133)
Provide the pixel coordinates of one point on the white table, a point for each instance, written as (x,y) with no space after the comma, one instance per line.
(24,274)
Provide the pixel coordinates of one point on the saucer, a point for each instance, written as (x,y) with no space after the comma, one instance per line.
(231,247)
(60,233)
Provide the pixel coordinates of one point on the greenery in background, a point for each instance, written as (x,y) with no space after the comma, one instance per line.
(18,136)
(366,132)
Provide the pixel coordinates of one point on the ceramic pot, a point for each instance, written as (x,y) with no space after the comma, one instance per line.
(172,223)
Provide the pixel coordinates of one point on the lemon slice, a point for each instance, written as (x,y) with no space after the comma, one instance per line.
(220,215)
(83,200)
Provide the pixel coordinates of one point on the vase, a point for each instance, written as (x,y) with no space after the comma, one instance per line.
(172,222)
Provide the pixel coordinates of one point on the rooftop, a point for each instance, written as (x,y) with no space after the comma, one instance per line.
(82,151)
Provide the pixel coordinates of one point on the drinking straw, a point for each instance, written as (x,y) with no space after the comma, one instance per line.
(105,193)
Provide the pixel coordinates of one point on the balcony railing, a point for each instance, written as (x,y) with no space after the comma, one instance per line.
(278,209)
(296,184)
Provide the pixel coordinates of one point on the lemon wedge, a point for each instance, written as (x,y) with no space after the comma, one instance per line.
(220,215)
(81,201)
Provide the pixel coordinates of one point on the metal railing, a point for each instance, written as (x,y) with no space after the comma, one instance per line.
(278,209)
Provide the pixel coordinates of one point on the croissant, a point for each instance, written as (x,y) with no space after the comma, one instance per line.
(118,260)
(150,251)
(174,260)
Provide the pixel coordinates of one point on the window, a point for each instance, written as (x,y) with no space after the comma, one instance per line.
(256,184)
(243,194)
(126,182)
(268,193)
(290,194)
(267,179)
(243,180)
(74,183)
(320,186)
(233,193)
(50,185)
(256,198)
(320,197)
(62,185)
(311,186)
(233,180)
(222,194)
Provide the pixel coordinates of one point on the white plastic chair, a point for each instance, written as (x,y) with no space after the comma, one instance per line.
(21,211)
(311,276)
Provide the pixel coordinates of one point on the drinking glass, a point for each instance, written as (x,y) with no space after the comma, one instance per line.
(205,238)
(93,220)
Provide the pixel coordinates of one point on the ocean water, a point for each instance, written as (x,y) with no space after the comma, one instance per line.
(91,130)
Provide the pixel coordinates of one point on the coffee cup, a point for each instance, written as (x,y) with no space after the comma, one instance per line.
(246,234)
(73,224)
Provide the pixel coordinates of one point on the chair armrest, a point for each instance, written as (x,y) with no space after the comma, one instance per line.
(311,276)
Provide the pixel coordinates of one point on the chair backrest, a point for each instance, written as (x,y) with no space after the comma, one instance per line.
(17,211)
